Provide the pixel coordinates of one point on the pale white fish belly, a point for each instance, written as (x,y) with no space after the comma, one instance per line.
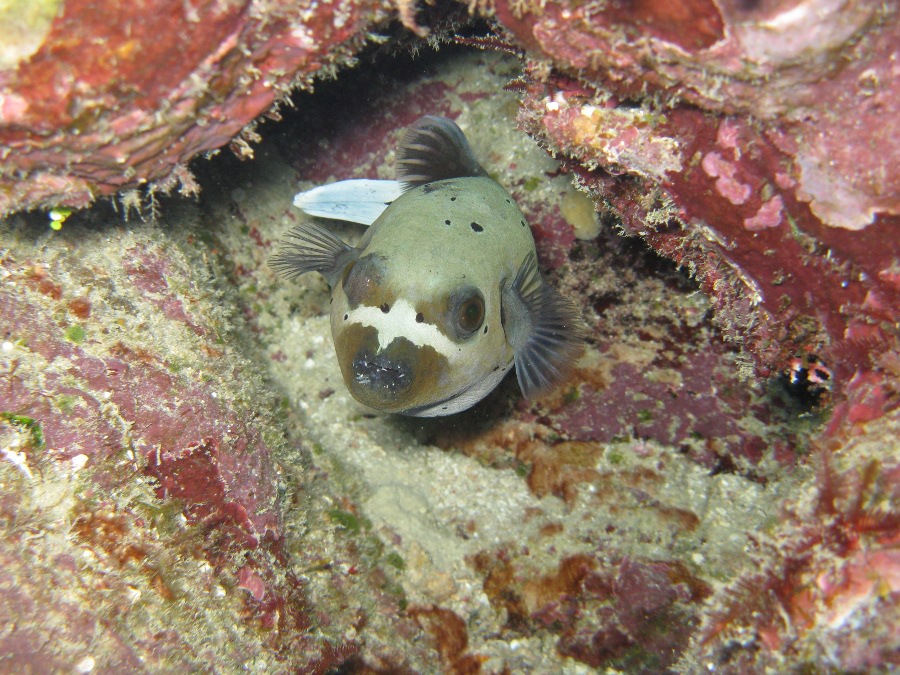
(401,322)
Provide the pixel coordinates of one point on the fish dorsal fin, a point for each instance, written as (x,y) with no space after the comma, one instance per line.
(309,248)
(434,148)
(544,329)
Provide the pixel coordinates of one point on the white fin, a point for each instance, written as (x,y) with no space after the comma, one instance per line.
(358,201)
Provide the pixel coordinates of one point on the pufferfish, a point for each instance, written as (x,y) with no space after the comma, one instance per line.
(442,295)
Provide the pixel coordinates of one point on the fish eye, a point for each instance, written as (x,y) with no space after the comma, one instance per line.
(470,314)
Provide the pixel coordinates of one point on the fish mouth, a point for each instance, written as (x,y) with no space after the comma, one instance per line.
(381,375)
(393,379)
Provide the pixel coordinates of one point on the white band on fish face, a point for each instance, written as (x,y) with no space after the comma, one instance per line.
(400,321)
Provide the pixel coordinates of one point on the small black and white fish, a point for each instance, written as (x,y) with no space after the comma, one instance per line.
(443,293)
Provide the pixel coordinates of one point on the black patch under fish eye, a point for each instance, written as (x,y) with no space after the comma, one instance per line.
(420,317)
(346,316)
(485,330)
(477,227)
(385,308)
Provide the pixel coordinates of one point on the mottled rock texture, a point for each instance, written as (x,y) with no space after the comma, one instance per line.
(109,96)
(746,141)
(141,506)
(183,483)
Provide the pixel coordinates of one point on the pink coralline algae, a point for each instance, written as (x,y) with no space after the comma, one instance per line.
(826,588)
(166,482)
(769,215)
(251,582)
(717,167)
(786,208)
(629,615)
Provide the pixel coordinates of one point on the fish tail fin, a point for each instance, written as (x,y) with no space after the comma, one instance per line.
(358,200)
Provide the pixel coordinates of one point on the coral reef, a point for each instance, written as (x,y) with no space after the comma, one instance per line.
(139,487)
(746,142)
(826,591)
(96,98)
(714,491)
(774,201)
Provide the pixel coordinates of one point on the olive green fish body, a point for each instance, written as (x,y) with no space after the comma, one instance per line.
(442,295)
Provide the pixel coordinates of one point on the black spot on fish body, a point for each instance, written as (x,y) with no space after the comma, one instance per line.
(420,317)
(452,199)
(385,308)
(446,222)
(476,227)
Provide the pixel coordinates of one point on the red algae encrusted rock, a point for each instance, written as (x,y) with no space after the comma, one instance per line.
(750,143)
(97,97)
(634,616)
(747,142)
(825,592)
(140,489)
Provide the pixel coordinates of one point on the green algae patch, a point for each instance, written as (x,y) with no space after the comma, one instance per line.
(31,426)
(645,416)
(75,334)
(66,403)
(346,520)
(395,560)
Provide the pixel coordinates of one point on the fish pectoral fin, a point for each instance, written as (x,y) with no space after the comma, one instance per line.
(309,248)
(358,201)
(434,148)
(544,329)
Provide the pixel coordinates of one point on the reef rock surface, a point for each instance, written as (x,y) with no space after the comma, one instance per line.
(99,97)
(184,481)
